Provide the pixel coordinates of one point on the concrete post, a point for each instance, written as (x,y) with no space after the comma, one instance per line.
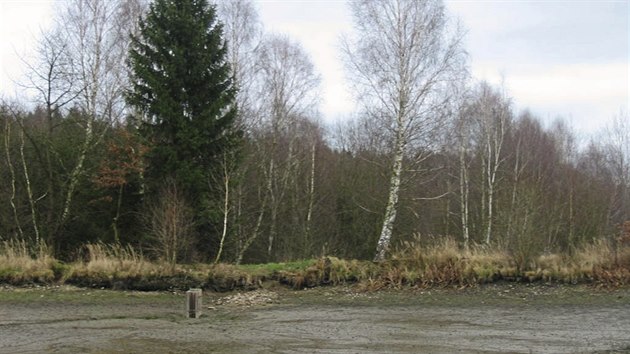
(193,303)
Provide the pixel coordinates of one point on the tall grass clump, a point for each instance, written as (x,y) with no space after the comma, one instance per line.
(596,262)
(21,264)
(571,268)
(122,267)
(442,262)
(116,261)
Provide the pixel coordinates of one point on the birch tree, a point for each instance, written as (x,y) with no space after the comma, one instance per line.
(289,80)
(286,85)
(566,143)
(494,115)
(243,32)
(95,34)
(225,181)
(526,132)
(78,63)
(53,76)
(463,135)
(617,157)
(402,62)
(9,166)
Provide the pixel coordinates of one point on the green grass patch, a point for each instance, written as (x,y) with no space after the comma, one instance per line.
(267,269)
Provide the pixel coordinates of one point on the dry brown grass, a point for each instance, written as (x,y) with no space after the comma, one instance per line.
(117,261)
(123,267)
(443,262)
(17,265)
(571,268)
(438,263)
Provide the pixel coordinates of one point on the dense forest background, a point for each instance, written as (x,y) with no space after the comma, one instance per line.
(80,167)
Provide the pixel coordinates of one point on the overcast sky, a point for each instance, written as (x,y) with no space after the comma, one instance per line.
(559,58)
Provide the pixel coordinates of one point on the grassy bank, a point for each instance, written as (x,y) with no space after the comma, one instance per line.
(437,265)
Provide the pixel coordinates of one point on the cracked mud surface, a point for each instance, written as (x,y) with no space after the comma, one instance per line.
(497,318)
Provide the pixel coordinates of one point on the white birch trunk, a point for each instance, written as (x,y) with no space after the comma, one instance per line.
(515,183)
(77,170)
(403,60)
(255,233)
(311,200)
(274,208)
(464,192)
(7,145)
(392,202)
(29,192)
(490,184)
(495,136)
(226,208)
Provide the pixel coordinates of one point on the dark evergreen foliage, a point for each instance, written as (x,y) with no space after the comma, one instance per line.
(182,86)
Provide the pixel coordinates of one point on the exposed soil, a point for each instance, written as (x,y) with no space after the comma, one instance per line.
(495,318)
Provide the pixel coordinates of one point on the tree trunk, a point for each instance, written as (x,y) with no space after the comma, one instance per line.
(482,219)
(274,207)
(226,208)
(490,209)
(29,192)
(7,145)
(117,216)
(464,192)
(392,203)
(515,182)
(255,233)
(494,152)
(311,201)
(77,170)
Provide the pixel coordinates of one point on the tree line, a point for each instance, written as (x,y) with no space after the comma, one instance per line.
(183,129)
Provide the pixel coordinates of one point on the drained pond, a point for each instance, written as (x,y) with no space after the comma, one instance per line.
(502,318)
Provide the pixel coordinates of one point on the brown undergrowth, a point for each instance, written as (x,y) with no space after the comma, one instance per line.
(20,264)
(411,264)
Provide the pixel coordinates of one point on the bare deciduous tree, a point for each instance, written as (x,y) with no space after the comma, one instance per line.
(463,135)
(289,80)
(52,74)
(286,89)
(618,159)
(9,163)
(402,62)
(493,115)
(243,32)
(93,33)
(169,222)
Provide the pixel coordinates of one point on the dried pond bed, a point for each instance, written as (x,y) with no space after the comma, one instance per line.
(495,318)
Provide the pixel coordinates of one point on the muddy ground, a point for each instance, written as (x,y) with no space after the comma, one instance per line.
(495,318)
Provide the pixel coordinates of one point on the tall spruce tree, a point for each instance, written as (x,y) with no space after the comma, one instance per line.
(181,85)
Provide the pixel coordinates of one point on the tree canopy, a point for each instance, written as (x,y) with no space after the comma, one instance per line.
(182,88)
(430,157)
